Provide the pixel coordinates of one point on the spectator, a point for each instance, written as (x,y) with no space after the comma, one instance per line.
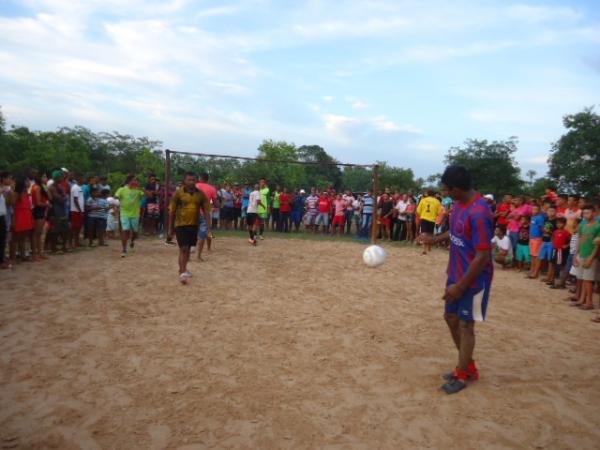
(152,208)
(39,199)
(523,251)
(285,209)
(312,211)
(339,217)
(586,258)
(298,209)
(97,207)
(560,250)
(23,219)
(502,247)
(503,210)
(324,209)
(77,203)
(58,213)
(368,208)
(427,212)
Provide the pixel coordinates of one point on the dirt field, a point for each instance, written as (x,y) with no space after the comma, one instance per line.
(294,344)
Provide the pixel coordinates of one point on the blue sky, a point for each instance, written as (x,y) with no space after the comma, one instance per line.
(398,81)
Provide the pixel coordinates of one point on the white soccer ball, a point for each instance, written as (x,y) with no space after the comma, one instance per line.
(374,256)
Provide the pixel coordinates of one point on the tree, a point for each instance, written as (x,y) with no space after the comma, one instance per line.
(531,175)
(492,165)
(357,179)
(539,186)
(575,157)
(320,175)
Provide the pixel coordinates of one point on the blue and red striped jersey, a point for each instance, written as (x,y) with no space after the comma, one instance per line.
(471,229)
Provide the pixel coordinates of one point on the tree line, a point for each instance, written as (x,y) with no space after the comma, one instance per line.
(574,160)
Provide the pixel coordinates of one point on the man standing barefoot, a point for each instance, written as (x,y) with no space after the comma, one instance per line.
(470,271)
(184,213)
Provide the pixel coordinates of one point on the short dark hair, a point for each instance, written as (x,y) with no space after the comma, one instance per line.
(501,228)
(190,174)
(204,177)
(459,177)
(128,179)
(561,220)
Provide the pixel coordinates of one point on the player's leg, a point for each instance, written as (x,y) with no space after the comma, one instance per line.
(125,227)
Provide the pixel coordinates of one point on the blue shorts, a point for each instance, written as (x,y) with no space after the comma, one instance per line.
(130,223)
(202,228)
(472,305)
(297,216)
(546,251)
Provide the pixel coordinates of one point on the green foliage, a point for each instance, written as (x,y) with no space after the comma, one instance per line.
(116,155)
(492,165)
(538,187)
(575,157)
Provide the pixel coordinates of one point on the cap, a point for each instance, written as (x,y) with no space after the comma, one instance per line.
(302,191)
(489,197)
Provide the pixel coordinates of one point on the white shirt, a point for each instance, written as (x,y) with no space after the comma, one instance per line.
(401,207)
(77,192)
(3,208)
(503,244)
(253,200)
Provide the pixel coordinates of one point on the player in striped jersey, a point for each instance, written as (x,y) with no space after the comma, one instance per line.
(470,271)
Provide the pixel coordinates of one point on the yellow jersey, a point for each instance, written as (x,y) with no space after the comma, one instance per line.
(429,208)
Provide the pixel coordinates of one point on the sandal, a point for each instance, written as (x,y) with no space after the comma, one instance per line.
(596,319)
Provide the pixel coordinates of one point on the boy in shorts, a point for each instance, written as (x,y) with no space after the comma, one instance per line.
(523,254)
(587,258)
(560,250)
(536,226)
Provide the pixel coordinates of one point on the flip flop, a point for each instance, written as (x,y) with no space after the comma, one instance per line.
(596,319)
(575,305)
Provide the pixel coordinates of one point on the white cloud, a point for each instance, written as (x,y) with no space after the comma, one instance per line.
(537,160)
(328,98)
(346,129)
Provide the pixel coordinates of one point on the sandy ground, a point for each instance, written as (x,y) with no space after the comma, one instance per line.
(294,344)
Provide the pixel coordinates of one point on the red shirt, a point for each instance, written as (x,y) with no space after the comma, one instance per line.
(504,207)
(324,204)
(286,202)
(560,238)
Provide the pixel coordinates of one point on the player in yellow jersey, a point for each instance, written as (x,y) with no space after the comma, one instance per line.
(428,211)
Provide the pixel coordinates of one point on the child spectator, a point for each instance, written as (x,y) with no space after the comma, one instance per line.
(502,250)
(536,227)
(523,253)
(586,259)
(97,206)
(112,219)
(23,219)
(569,269)
(547,249)
(387,209)
(560,250)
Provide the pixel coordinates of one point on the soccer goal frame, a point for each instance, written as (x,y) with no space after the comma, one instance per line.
(374,167)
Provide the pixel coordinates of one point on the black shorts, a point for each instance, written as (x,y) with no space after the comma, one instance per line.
(251,218)
(427,226)
(187,236)
(560,256)
(227,213)
(237,213)
(95,226)
(39,212)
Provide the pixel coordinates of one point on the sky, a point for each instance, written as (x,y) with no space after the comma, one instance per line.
(396,81)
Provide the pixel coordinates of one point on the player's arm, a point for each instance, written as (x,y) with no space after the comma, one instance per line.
(439,238)
(588,262)
(481,260)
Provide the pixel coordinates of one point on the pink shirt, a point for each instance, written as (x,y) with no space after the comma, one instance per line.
(340,207)
(514,224)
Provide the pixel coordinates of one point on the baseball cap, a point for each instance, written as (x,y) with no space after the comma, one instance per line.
(489,197)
